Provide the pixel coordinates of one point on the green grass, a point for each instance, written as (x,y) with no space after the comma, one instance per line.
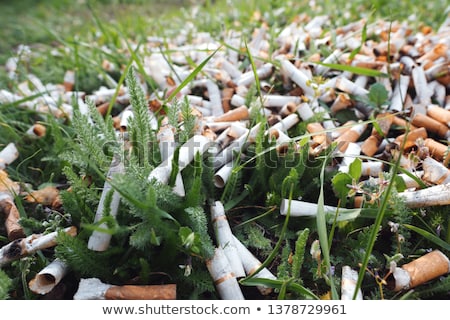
(72,35)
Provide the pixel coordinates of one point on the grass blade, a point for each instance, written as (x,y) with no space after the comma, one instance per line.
(191,76)
(321,221)
(278,284)
(353,69)
(429,236)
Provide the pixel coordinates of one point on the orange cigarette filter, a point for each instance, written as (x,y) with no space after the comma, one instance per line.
(351,135)
(439,50)
(400,122)
(48,196)
(317,127)
(342,102)
(227,94)
(385,121)
(438,151)
(439,114)
(211,135)
(370,145)
(427,267)
(13,228)
(411,137)
(150,292)
(39,130)
(240,113)
(103,108)
(358,202)
(432,125)
(288,108)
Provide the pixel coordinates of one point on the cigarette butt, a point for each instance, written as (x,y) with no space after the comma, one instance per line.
(372,168)
(13,228)
(411,137)
(421,270)
(435,172)
(37,130)
(439,114)
(227,94)
(240,113)
(370,145)
(438,151)
(8,155)
(48,196)
(400,122)
(340,130)
(148,292)
(385,121)
(342,102)
(223,277)
(438,51)
(358,201)
(7,185)
(351,135)
(116,122)
(103,108)
(210,134)
(288,108)
(348,284)
(69,80)
(49,277)
(432,125)
(317,127)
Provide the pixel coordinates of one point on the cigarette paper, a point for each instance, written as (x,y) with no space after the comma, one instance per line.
(49,277)
(166,140)
(400,93)
(304,111)
(251,264)
(224,237)
(8,155)
(438,195)
(287,123)
(298,77)
(348,284)
(227,154)
(225,281)
(99,241)
(197,144)
(223,174)
(435,172)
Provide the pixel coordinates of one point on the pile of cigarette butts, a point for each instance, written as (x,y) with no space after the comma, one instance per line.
(297,83)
